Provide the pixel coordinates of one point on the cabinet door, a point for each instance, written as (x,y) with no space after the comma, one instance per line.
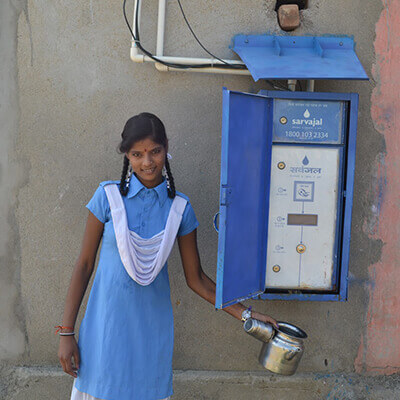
(244,196)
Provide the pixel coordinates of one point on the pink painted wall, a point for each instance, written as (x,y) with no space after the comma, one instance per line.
(379,352)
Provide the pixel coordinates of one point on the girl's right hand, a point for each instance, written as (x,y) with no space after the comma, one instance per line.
(265,318)
(67,350)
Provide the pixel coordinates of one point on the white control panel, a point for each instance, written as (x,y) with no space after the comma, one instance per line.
(302,217)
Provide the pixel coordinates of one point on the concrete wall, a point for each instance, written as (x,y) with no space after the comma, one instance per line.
(12,316)
(63,114)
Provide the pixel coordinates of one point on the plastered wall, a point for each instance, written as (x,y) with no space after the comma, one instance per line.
(69,86)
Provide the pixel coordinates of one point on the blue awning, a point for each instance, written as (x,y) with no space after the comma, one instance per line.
(299,57)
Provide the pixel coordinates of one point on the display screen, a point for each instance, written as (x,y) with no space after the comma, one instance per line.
(302,219)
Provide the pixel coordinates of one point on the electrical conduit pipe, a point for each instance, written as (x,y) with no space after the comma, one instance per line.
(140,58)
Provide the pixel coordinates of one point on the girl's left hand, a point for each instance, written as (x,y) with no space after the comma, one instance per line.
(264,318)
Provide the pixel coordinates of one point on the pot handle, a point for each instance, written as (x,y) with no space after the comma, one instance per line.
(289,355)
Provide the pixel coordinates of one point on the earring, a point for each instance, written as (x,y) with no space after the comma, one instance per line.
(128,178)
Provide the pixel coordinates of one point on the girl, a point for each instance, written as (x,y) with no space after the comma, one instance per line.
(126,336)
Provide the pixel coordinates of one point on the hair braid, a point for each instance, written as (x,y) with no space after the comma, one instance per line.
(123,189)
(170,178)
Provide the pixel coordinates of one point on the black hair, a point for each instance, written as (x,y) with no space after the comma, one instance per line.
(139,127)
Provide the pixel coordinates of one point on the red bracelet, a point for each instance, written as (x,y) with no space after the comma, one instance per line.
(59,328)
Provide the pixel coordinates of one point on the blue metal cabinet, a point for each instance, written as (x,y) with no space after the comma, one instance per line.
(287,173)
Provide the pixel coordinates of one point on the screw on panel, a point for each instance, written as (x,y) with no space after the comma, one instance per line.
(281,165)
(301,248)
(276,268)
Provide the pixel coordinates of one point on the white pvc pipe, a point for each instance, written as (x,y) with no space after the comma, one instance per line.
(162,6)
(134,24)
(139,19)
(136,57)
(310,85)
(233,71)
(197,61)
(292,84)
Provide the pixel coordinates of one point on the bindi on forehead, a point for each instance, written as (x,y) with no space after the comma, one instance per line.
(146,149)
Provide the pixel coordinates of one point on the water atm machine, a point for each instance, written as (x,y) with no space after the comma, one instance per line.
(287,174)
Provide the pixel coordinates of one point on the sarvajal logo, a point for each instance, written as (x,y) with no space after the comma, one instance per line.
(305,169)
(308,121)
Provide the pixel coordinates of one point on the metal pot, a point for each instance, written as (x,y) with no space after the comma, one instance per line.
(282,348)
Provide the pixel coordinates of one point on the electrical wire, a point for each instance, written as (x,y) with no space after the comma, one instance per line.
(238,66)
(136,38)
(301,87)
(275,86)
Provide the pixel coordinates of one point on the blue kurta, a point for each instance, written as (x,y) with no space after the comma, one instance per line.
(126,336)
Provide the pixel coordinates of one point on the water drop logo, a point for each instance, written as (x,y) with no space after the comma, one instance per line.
(306,161)
(307,121)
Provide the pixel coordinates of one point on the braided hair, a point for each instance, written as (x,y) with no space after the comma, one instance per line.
(139,127)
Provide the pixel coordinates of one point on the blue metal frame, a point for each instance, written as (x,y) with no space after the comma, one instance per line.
(222,210)
(339,221)
(349,191)
(241,275)
(350,154)
(340,200)
(346,183)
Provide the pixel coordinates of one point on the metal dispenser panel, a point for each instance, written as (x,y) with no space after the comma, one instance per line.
(304,202)
(287,177)
(302,217)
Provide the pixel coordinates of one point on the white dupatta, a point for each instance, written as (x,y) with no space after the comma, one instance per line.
(142,258)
